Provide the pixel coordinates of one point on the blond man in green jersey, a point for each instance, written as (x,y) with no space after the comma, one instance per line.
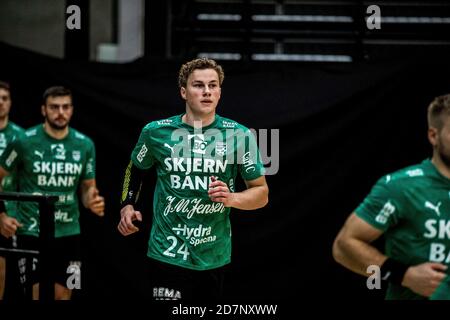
(197,156)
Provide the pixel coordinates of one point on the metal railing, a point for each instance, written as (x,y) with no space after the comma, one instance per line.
(46,236)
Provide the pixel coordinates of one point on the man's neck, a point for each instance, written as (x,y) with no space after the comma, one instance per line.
(440,165)
(198,121)
(3,122)
(56,133)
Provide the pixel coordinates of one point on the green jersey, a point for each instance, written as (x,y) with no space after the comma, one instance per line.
(189,230)
(443,291)
(52,167)
(7,135)
(412,207)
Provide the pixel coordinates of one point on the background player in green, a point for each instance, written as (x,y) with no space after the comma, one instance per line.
(52,158)
(8,132)
(411,207)
(197,156)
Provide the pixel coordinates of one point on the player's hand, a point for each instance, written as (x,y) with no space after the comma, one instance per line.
(8,225)
(96,203)
(424,278)
(127,216)
(218,192)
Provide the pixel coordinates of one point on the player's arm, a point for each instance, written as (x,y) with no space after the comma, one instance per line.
(352,248)
(132,184)
(254,197)
(90,197)
(8,225)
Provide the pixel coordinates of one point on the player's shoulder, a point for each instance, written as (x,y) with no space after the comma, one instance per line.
(80,137)
(161,123)
(16,128)
(28,137)
(226,123)
(33,131)
(407,175)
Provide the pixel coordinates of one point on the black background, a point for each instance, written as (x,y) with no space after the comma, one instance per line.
(341,127)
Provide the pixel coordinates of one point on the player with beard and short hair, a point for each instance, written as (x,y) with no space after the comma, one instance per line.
(9,131)
(52,159)
(411,207)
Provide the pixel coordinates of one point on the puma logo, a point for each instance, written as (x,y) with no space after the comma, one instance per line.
(39,154)
(431,206)
(167,146)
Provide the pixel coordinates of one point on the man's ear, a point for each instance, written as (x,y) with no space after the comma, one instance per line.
(43,110)
(183,92)
(433,136)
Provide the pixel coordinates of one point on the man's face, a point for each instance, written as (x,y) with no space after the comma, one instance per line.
(5,102)
(58,111)
(202,92)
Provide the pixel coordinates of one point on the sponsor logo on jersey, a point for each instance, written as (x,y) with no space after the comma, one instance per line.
(66,198)
(58,151)
(164,122)
(31,133)
(193,165)
(168,147)
(80,136)
(189,182)
(76,155)
(187,232)
(59,181)
(228,124)
(415,173)
(54,168)
(248,163)
(90,166)
(231,185)
(57,174)
(142,153)
(438,229)
(385,212)
(192,206)
(161,293)
(221,148)
(433,207)
(12,156)
(439,253)
(198,143)
(197,235)
(62,216)
(39,154)
(188,165)
(3,141)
